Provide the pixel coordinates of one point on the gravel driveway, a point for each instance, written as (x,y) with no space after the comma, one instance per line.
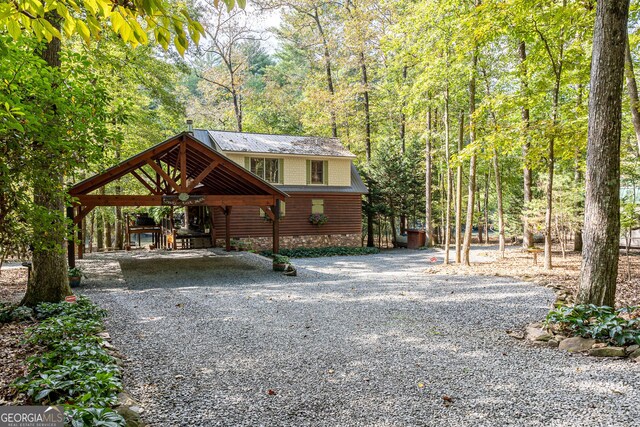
(216,339)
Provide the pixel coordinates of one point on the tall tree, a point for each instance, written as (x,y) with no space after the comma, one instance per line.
(472,163)
(527,235)
(600,253)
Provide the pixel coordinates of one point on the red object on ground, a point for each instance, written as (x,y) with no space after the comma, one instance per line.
(71,299)
(434,259)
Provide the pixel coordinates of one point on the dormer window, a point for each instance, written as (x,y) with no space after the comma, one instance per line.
(317,172)
(266,168)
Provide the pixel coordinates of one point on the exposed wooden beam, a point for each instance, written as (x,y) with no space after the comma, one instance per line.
(164,175)
(156,180)
(145,183)
(202,176)
(125,200)
(268,212)
(276,227)
(84,211)
(123,168)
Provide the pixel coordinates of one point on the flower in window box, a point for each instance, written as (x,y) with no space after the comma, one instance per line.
(318,219)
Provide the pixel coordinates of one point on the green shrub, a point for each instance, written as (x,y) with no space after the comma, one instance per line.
(83,308)
(81,417)
(75,272)
(74,369)
(324,252)
(13,313)
(602,323)
(280,259)
(86,383)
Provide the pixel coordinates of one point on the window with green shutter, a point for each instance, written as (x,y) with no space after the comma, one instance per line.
(271,170)
(317,172)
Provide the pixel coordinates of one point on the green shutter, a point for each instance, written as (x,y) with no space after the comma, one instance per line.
(281,171)
(247,163)
(308,172)
(325,172)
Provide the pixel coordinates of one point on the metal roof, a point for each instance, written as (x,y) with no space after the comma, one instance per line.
(357,186)
(272,144)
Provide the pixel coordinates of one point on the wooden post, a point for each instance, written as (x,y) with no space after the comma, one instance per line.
(71,255)
(80,236)
(212,225)
(227,228)
(276,227)
(174,243)
(126,233)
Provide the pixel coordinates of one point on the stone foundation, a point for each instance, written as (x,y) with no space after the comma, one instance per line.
(308,241)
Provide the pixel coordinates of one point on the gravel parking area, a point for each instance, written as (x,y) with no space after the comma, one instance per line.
(217,339)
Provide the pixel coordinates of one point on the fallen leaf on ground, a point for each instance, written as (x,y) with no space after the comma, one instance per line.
(271,392)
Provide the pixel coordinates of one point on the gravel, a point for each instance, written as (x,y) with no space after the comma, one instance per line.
(217,339)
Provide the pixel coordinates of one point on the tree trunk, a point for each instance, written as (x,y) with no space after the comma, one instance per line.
(472,163)
(632,89)
(496,171)
(49,281)
(527,235)
(118,214)
(428,210)
(447,215)
(367,116)
(486,206)
(403,117)
(328,73)
(600,254)
(479,207)
(459,192)
(107,231)
(100,229)
(237,107)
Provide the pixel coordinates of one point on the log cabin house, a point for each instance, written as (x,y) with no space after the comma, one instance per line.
(319,177)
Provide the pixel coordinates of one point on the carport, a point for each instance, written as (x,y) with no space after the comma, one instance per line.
(180,171)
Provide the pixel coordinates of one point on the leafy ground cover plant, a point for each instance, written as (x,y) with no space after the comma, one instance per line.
(74,369)
(615,326)
(324,252)
(280,259)
(15,313)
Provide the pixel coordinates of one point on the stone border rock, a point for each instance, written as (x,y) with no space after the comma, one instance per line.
(127,407)
(536,334)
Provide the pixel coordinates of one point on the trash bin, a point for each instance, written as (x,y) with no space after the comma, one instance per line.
(416,238)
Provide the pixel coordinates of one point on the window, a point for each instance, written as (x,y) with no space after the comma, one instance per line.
(268,169)
(317,206)
(317,172)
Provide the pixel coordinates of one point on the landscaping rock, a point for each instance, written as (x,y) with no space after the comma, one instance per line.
(519,335)
(632,348)
(635,355)
(538,334)
(608,352)
(131,417)
(599,345)
(576,344)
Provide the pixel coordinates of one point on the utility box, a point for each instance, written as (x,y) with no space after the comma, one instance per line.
(416,238)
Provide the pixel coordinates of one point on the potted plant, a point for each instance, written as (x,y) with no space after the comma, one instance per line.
(318,219)
(280,262)
(75,276)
